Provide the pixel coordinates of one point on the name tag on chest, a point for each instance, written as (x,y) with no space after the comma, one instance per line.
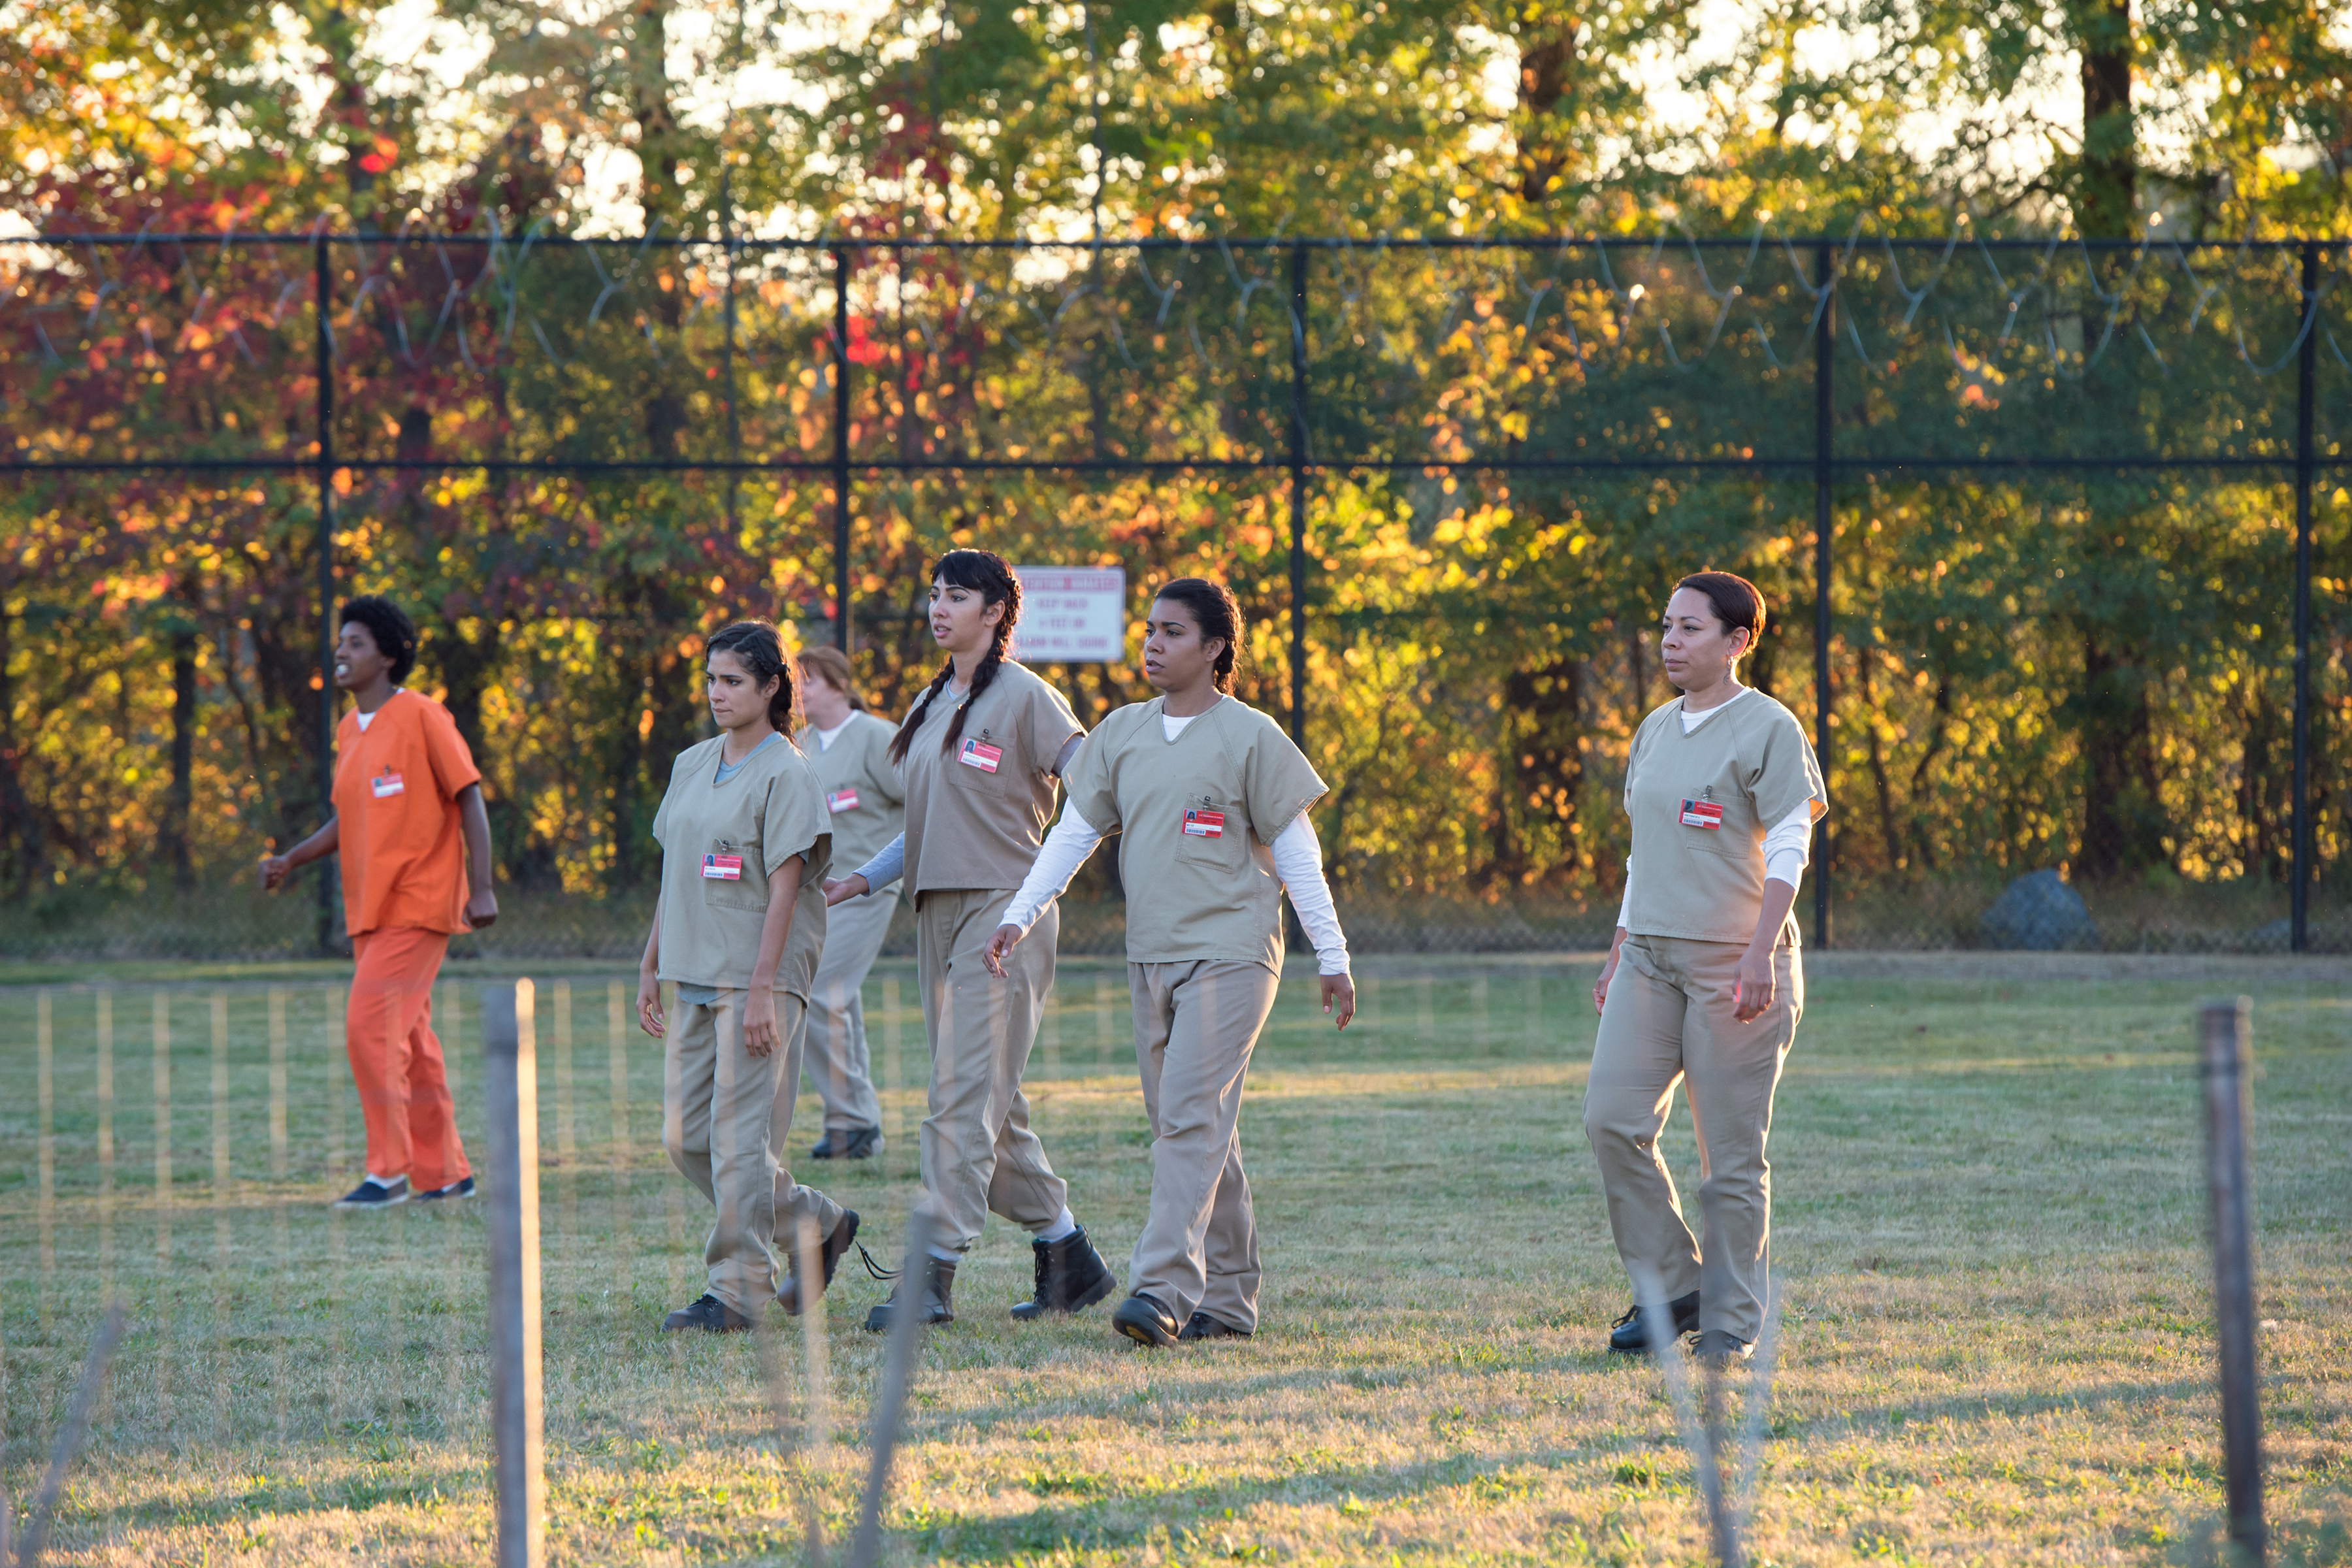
(722,867)
(1702,814)
(386,784)
(1199,824)
(981,755)
(840,800)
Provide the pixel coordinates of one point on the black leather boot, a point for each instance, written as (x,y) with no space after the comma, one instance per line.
(936,1289)
(1071,1276)
(1630,1336)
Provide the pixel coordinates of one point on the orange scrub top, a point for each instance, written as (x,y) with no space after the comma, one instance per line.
(396,784)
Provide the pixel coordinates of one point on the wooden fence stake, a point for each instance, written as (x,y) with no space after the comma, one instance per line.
(510,1110)
(2225,1027)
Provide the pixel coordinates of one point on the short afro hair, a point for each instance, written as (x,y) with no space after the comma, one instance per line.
(394,633)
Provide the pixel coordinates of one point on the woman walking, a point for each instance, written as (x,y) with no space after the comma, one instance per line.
(1703,983)
(979,755)
(848,749)
(414,841)
(745,846)
(1210,800)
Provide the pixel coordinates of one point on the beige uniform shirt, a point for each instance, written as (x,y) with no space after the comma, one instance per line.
(1195,817)
(720,842)
(1700,805)
(862,794)
(976,818)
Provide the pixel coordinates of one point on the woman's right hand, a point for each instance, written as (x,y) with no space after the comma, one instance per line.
(1608,974)
(850,887)
(650,1013)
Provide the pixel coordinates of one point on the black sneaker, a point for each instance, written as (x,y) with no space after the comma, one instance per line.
(857,1143)
(462,1187)
(1717,1349)
(374,1195)
(709,1314)
(1201,1326)
(938,1293)
(1071,1276)
(1628,1336)
(828,1252)
(1143,1319)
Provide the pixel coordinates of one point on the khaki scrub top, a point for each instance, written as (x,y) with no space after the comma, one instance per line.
(862,794)
(976,817)
(1196,818)
(1701,805)
(720,844)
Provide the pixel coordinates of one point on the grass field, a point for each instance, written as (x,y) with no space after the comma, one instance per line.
(1991,1230)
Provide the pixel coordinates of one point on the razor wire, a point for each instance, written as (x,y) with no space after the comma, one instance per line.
(1197,333)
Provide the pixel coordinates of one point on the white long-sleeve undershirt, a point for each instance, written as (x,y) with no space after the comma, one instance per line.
(1297,861)
(1788,843)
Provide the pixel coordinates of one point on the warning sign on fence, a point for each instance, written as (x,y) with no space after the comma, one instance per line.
(1071,614)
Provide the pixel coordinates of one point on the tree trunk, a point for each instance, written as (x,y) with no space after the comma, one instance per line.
(1542,775)
(1544,99)
(2123,819)
(179,806)
(2103,207)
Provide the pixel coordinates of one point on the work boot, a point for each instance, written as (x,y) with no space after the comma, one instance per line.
(1071,1276)
(1143,1319)
(937,1289)
(1630,1336)
(709,1314)
(828,1252)
(1722,1349)
(1202,1326)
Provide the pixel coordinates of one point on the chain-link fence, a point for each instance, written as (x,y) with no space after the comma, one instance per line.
(2055,533)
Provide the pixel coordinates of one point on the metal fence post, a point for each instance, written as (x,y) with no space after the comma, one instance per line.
(510,1112)
(2224,1029)
(1825,309)
(322,348)
(1298,495)
(2299,853)
(841,628)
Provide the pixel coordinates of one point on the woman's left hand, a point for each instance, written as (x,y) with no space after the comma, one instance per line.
(1752,992)
(760,1021)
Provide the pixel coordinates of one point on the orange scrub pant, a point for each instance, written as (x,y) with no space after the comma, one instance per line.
(412,1123)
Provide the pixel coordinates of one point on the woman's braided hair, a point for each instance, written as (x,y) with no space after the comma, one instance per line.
(985,572)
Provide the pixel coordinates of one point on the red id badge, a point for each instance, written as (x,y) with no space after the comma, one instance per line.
(386,784)
(1702,814)
(981,755)
(722,867)
(1201,824)
(840,800)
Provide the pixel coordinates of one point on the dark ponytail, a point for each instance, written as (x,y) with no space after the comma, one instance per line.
(985,572)
(762,653)
(1217,615)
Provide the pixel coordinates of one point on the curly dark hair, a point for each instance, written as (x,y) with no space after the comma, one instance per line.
(394,633)
(985,573)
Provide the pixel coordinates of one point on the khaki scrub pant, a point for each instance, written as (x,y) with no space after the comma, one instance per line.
(839,1067)
(979,1155)
(718,1123)
(1196,1026)
(1667,1021)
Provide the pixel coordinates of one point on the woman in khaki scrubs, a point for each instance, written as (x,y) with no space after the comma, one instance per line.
(979,756)
(745,846)
(1210,800)
(1703,983)
(848,750)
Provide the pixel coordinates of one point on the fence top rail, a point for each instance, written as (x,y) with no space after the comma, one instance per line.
(1336,243)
